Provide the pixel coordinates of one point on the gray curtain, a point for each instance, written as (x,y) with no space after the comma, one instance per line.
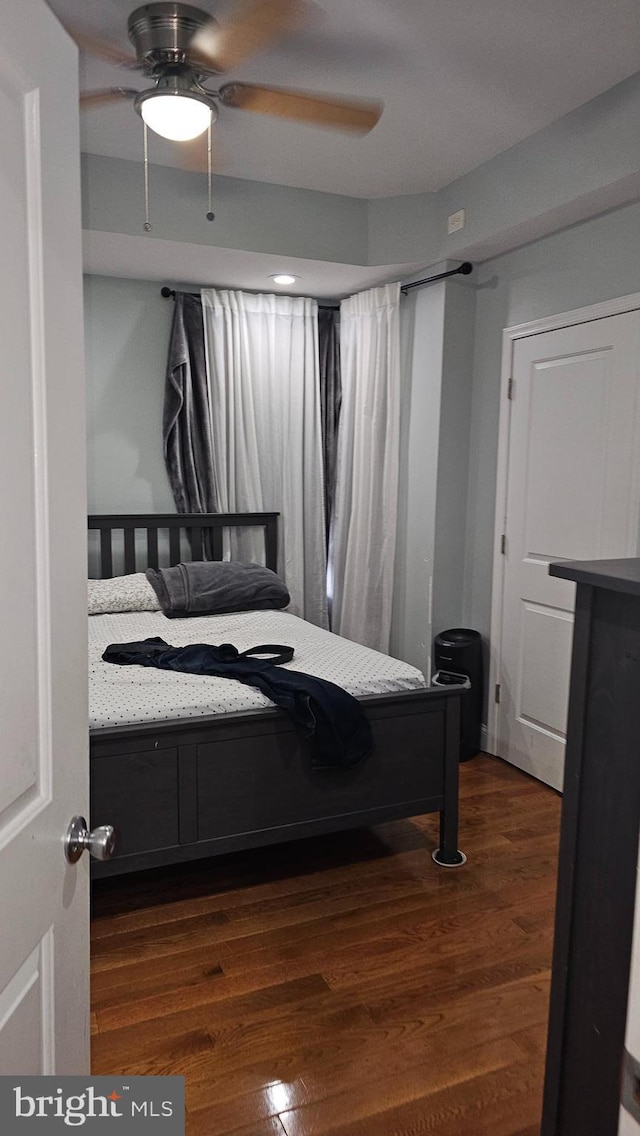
(186,427)
(330,400)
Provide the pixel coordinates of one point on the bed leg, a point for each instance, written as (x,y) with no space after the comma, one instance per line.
(448,855)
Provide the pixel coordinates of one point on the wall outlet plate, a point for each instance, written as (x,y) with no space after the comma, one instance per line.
(455,221)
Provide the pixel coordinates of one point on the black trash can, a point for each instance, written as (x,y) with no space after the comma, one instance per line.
(458,657)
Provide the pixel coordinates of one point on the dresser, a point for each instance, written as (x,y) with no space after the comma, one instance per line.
(598,854)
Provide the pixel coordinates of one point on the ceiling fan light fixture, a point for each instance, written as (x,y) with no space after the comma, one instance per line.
(177,115)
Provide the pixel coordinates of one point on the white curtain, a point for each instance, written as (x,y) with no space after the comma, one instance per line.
(363,542)
(263,371)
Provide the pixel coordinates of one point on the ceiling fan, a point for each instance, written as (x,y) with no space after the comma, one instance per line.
(180,48)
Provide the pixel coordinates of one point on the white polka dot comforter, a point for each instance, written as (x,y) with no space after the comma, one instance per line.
(131,695)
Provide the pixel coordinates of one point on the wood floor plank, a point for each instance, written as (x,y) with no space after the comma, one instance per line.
(489,1105)
(521,1003)
(348,1061)
(256,1005)
(441,939)
(273,866)
(232,1046)
(159,1006)
(410,919)
(257,919)
(164,996)
(378,943)
(343,986)
(407,867)
(152,942)
(225,1116)
(274,896)
(269,1126)
(353,1105)
(533,1041)
(363,1050)
(442,982)
(236,940)
(253,899)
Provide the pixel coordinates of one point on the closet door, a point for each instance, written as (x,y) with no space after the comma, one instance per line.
(43,594)
(573,494)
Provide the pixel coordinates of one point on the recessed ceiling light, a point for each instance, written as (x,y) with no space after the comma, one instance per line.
(283,278)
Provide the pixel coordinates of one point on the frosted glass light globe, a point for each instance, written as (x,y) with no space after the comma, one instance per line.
(178,117)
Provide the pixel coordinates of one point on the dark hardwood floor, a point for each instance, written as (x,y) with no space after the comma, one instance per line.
(343,986)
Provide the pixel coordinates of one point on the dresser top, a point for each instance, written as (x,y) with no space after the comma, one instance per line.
(614,575)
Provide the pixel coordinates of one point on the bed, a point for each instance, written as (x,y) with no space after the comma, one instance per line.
(180,782)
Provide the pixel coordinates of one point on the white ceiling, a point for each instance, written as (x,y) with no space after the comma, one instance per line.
(461,81)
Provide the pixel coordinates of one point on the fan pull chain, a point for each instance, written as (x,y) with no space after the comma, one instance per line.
(147,222)
(210,213)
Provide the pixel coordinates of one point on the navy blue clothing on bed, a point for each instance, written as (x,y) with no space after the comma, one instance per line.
(332,719)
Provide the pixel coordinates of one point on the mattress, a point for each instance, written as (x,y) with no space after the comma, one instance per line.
(132,695)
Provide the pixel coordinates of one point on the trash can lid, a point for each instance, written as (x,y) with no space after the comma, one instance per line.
(457,635)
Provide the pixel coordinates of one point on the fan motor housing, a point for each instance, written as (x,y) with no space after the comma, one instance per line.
(162,32)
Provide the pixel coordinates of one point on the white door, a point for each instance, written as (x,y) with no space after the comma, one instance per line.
(43,718)
(573,494)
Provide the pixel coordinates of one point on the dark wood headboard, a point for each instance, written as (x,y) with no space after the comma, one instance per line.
(195,526)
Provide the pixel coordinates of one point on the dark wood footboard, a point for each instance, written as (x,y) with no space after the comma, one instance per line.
(178,791)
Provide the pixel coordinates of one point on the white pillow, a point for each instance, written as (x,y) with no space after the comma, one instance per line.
(122,593)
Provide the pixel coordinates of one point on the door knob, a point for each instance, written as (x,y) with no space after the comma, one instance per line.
(100,842)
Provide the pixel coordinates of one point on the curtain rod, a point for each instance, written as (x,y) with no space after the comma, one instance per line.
(463,270)
(170,294)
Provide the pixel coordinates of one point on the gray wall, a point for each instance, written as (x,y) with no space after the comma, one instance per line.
(453,456)
(437,324)
(585,162)
(588,263)
(249,215)
(127,327)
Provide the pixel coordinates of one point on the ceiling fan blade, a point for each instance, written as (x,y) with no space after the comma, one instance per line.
(250,28)
(106,95)
(357,115)
(94,45)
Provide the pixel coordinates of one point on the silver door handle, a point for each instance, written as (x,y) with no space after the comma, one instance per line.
(100,843)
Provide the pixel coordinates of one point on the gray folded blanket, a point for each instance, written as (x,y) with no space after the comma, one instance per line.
(208,587)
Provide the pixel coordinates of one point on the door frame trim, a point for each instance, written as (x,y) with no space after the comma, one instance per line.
(510,335)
